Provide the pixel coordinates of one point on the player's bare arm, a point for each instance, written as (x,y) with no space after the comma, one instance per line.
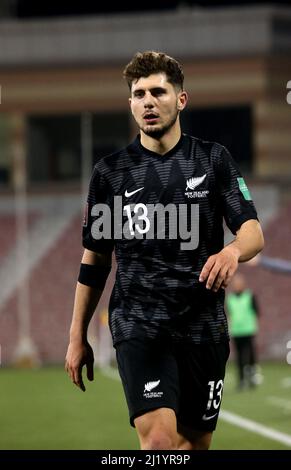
(219,268)
(79,351)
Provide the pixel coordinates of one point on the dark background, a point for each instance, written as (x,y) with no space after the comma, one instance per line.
(46,8)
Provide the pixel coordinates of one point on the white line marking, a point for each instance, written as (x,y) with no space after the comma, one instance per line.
(252,426)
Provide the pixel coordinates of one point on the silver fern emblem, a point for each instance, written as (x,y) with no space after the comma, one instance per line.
(151,385)
(193,182)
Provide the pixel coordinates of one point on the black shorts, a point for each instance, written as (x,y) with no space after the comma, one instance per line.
(185,377)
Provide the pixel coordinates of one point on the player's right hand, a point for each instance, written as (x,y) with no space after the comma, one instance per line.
(78,355)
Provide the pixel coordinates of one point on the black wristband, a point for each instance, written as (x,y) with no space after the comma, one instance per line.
(93,275)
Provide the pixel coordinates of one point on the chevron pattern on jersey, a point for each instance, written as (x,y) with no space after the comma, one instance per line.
(157,289)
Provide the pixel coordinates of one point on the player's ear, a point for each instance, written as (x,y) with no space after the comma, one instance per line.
(129,102)
(182,100)
(130,107)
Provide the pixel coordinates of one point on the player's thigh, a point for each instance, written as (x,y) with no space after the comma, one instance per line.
(189,439)
(157,429)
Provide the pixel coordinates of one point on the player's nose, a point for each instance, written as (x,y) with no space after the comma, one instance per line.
(148,101)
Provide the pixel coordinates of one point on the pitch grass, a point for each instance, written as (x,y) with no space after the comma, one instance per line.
(41,409)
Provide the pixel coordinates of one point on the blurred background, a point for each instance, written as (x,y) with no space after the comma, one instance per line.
(64,105)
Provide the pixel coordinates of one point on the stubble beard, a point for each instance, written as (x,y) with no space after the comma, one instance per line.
(160,132)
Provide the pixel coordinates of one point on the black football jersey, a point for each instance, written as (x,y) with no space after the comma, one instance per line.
(163,215)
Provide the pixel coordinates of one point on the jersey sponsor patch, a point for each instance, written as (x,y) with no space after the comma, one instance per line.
(244,189)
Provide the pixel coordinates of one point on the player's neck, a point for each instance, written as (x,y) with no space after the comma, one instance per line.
(164,144)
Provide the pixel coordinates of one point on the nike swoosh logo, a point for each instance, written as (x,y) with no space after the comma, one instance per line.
(127,194)
(206,418)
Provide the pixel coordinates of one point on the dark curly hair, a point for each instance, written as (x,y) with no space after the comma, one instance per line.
(147,63)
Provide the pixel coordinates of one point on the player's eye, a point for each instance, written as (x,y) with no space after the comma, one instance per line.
(158,92)
(138,94)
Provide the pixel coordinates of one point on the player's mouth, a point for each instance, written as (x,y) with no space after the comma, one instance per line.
(151,118)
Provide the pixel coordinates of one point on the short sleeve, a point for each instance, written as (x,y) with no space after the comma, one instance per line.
(96,232)
(236,200)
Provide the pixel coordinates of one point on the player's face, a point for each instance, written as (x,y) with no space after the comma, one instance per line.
(155,104)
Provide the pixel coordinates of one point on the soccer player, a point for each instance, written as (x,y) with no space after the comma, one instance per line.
(160,203)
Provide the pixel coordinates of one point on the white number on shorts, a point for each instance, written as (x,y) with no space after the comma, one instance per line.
(217,391)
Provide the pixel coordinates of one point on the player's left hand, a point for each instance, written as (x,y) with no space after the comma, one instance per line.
(219,268)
